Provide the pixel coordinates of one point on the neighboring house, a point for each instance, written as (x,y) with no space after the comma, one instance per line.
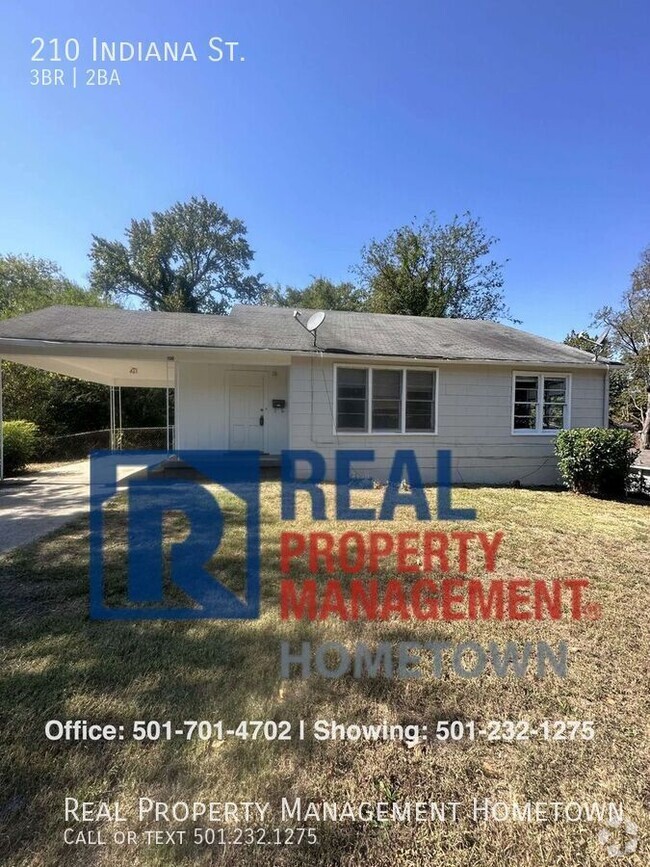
(495,395)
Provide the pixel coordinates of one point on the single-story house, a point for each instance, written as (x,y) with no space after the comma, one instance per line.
(258,379)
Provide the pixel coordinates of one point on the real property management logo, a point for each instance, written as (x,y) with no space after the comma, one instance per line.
(189,489)
(151,497)
(190,549)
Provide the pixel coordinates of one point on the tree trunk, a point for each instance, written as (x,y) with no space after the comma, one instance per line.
(645,430)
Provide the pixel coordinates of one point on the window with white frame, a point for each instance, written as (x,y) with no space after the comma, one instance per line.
(385,400)
(541,403)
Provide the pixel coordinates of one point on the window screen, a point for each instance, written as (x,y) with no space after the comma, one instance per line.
(420,400)
(386,400)
(352,399)
(526,396)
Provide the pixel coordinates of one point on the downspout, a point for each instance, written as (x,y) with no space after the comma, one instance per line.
(606,399)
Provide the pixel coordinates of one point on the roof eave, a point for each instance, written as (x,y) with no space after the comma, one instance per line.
(32,344)
(447,359)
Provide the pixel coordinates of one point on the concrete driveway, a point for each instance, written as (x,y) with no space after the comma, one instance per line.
(33,506)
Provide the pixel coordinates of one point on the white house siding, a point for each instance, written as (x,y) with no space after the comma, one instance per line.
(474,421)
(203,406)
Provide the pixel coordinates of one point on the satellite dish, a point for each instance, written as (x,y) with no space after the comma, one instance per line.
(602,338)
(315,321)
(599,344)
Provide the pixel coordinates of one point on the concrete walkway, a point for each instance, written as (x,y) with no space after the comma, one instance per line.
(32,506)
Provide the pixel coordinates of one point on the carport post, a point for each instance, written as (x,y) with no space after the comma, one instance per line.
(119,416)
(111,398)
(167,417)
(168,432)
(2,433)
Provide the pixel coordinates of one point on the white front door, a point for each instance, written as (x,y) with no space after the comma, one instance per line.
(247,410)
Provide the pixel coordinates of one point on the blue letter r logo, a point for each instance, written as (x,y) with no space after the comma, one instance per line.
(185,490)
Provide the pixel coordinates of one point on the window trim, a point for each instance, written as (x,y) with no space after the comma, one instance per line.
(541,376)
(402,432)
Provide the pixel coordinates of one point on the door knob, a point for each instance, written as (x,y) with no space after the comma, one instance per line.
(261,421)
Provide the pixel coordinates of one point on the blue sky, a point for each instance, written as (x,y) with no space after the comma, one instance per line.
(346,119)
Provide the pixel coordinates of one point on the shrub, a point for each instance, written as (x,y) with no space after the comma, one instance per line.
(596,461)
(20,439)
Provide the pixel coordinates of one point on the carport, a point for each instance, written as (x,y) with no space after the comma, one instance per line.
(117,366)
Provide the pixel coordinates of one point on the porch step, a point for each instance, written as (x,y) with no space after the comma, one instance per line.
(172,466)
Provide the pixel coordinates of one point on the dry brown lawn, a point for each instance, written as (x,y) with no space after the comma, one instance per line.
(56,663)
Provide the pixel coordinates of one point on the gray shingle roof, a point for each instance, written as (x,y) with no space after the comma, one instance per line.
(274,328)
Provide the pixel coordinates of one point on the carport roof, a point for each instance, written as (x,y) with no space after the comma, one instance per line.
(274,328)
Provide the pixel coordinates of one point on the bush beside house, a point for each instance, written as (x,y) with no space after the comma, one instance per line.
(596,461)
(20,442)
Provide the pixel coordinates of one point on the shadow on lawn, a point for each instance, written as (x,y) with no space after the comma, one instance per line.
(60,665)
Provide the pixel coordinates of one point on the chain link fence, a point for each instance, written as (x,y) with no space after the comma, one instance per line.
(71,447)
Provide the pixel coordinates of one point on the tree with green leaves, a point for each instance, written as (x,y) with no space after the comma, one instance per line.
(320,294)
(619,399)
(191,258)
(435,269)
(28,283)
(57,404)
(629,326)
